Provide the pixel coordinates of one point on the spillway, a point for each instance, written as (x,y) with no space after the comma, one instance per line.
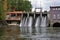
(22,25)
(37,24)
(26,25)
(22,22)
(43,25)
(26,22)
(30,22)
(43,22)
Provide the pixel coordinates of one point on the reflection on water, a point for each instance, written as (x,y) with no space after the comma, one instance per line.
(37,24)
(39,32)
(49,34)
(30,22)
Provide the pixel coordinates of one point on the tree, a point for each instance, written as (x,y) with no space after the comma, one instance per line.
(2,11)
(21,5)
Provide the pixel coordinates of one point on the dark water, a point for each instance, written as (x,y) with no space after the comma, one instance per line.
(45,33)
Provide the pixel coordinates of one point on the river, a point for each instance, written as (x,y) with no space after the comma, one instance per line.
(27,31)
(50,33)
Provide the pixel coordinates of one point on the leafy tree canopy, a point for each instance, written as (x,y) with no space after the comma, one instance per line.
(2,11)
(20,5)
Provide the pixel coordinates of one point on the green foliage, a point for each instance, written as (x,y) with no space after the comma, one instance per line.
(2,15)
(20,5)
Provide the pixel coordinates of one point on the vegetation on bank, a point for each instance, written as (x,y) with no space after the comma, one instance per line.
(19,5)
(2,11)
(10,5)
(7,32)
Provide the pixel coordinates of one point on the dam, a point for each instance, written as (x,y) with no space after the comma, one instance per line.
(33,24)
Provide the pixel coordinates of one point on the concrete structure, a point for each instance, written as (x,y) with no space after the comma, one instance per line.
(54,15)
(13,18)
(45,14)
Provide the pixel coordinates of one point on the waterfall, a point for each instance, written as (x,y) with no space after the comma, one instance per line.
(43,25)
(22,25)
(37,24)
(43,22)
(25,25)
(30,22)
(22,22)
(26,22)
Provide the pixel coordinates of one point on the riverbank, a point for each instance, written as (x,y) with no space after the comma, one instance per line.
(7,33)
(13,33)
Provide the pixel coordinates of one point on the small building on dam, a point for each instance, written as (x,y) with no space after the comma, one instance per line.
(14,18)
(54,16)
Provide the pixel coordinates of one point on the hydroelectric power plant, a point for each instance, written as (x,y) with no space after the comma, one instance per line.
(33,25)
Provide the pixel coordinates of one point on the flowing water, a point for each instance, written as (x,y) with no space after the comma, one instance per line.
(42,32)
(22,25)
(28,25)
(43,24)
(30,22)
(37,24)
(25,25)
